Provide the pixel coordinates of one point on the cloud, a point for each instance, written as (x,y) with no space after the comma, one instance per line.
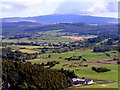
(28,7)
(9,7)
(44,7)
(102,7)
(6,6)
(112,7)
(23,2)
(31,2)
(97,7)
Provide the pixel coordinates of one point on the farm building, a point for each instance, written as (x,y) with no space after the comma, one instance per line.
(82,81)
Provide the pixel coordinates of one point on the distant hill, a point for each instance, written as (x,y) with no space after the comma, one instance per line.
(80,28)
(77,24)
(63,18)
(14,26)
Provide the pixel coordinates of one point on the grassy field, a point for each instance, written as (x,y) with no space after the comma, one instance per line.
(30,47)
(0,47)
(16,40)
(54,39)
(50,36)
(83,71)
(105,40)
(40,39)
(27,51)
(88,73)
(54,32)
(89,55)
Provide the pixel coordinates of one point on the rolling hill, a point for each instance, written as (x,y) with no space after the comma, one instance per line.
(63,18)
(68,22)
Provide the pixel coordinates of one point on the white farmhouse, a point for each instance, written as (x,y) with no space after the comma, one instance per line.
(82,81)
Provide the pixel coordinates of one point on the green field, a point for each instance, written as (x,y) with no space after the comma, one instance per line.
(0,47)
(105,40)
(40,39)
(16,40)
(50,36)
(89,55)
(88,73)
(27,51)
(54,39)
(83,71)
(54,32)
(30,47)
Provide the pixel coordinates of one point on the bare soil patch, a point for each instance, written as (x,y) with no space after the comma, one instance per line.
(100,62)
(71,64)
(76,37)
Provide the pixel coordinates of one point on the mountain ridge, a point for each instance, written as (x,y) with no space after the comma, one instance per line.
(64,18)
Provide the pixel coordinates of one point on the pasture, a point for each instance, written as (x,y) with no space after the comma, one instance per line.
(54,32)
(40,39)
(30,47)
(89,55)
(16,40)
(27,51)
(83,71)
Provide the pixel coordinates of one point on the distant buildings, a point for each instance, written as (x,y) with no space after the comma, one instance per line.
(82,81)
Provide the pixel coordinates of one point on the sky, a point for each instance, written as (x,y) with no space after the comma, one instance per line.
(29,8)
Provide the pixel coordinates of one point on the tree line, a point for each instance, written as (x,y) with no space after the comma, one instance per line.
(26,76)
(100,69)
(7,53)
